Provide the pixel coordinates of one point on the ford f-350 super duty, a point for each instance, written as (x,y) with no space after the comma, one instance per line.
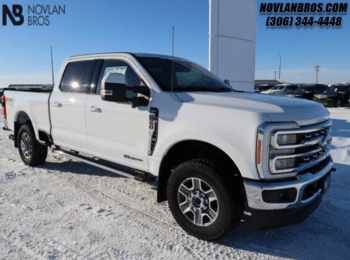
(214,151)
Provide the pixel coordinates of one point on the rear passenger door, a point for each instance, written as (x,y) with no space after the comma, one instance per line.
(67,105)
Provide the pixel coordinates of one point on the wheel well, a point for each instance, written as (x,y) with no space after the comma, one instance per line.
(188,150)
(22,119)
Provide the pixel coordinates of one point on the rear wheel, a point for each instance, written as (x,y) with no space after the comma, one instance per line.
(202,203)
(32,153)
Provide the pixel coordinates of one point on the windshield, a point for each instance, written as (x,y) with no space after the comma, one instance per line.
(187,76)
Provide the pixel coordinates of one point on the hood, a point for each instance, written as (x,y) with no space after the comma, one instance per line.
(278,109)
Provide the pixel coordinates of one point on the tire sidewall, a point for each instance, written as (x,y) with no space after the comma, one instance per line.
(207,174)
(26,129)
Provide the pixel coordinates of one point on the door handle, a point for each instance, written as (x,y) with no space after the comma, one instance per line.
(94,109)
(56,104)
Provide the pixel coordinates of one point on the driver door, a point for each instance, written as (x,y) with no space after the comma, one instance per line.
(116,131)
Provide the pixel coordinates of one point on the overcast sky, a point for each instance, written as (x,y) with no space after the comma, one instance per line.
(146,26)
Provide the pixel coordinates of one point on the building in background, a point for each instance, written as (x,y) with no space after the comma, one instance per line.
(232,36)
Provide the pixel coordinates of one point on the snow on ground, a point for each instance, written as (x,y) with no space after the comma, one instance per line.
(65,209)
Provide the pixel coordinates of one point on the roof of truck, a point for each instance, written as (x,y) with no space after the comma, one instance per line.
(130,53)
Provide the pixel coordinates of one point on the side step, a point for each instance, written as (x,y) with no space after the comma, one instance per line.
(123,171)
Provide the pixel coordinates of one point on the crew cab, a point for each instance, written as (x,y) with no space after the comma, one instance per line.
(215,152)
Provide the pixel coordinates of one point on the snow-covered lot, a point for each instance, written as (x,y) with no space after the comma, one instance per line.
(69,210)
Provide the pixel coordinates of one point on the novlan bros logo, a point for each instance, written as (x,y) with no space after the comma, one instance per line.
(38,15)
(17,11)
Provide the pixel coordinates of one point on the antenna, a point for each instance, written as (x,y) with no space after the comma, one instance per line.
(172,63)
(53,77)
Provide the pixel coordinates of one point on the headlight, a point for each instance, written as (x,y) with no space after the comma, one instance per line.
(286,139)
(285,149)
(285,164)
(266,153)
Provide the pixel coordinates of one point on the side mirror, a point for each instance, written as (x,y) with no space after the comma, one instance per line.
(113,88)
(228,82)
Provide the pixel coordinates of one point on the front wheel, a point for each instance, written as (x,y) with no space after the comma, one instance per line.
(201,201)
(32,153)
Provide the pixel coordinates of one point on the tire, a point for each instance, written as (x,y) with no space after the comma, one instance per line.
(339,103)
(32,153)
(211,208)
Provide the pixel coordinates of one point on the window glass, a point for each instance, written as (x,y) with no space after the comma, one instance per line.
(120,67)
(291,87)
(182,75)
(77,77)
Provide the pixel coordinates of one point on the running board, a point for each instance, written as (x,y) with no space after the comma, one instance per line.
(135,174)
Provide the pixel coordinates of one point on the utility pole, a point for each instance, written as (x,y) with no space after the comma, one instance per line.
(317,69)
(280,65)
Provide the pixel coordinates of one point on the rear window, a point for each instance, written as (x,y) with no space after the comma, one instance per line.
(78,76)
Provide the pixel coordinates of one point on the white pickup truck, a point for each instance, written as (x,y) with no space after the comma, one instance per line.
(214,151)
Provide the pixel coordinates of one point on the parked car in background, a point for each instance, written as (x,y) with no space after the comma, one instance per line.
(336,96)
(263,87)
(274,89)
(287,89)
(307,92)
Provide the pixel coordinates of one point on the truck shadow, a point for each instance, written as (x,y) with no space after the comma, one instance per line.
(79,168)
(328,227)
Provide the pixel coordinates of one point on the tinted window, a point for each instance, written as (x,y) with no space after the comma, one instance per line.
(182,75)
(121,67)
(291,87)
(77,77)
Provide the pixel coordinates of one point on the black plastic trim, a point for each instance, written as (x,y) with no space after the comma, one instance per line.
(96,76)
(267,219)
(154,138)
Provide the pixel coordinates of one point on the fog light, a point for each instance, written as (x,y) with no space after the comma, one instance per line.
(278,196)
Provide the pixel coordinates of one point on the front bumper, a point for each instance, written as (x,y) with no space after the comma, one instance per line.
(275,214)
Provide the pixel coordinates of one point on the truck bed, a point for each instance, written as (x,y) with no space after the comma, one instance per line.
(32,103)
